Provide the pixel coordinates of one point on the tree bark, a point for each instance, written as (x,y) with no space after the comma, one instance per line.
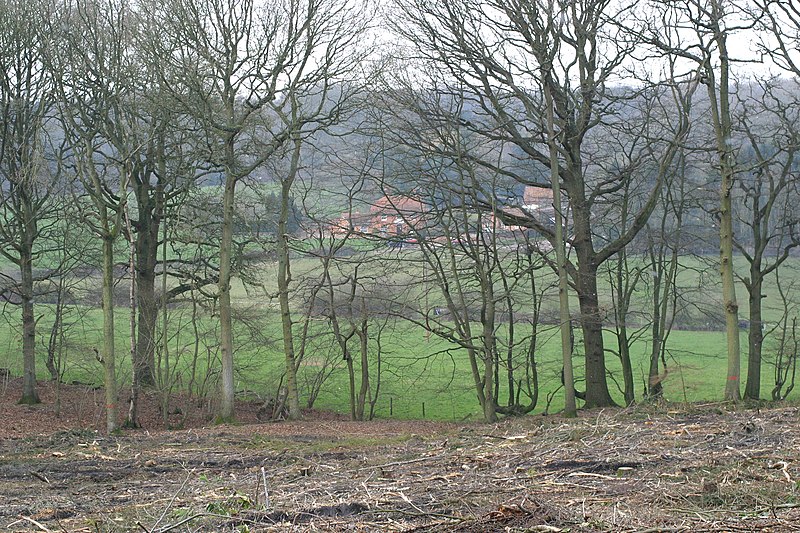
(363,338)
(627,367)
(29,394)
(108,356)
(755,337)
(721,114)
(147,227)
(559,243)
(597,393)
(226,406)
(132,421)
(284,279)
(489,348)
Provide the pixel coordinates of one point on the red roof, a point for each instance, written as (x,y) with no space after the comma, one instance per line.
(397,204)
(540,196)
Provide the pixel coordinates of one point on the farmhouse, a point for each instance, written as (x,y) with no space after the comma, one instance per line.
(537,199)
(388,216)
(397,215)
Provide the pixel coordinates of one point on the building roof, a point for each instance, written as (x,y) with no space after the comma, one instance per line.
(398,204)
(540,196)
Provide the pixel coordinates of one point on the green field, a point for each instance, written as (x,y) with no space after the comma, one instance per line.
(419,372)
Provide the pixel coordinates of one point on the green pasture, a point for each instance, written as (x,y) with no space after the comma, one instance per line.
(418,371)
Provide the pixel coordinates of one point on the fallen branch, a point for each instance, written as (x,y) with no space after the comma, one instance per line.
(32,521)
(664,529)
(396,463)
(590,474)
(186,520)
(40,477)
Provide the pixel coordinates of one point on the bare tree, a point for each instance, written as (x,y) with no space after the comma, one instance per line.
(28,176)
(479,281)
(768,117)
(787,341)
(779,23)
(665,245)
(698,32)
(98,72)
(507,59)
(257,80)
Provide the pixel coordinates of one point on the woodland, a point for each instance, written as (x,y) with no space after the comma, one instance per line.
(402,265)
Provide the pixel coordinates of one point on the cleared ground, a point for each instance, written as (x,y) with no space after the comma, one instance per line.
(674,468)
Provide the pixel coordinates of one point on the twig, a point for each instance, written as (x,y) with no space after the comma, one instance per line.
(266,491)
(176,525)
(731,448)
(378,510)
(396,463)
(590,474)
(409,502)
(779,506)
(171,501)
(663,529)
(195,516)
(503,437)
(32,521)
(39,476)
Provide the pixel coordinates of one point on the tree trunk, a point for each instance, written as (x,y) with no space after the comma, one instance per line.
(146,260)
(489,347)
(730,305)
(226,406)
(132,421)
(29,394)
(351,374)
(146,327)
(284,279)
(660,294)
(559,243)
(585,278)
(755,337)
(53,362)
(597,394)
(627,367)
(623,278)
(654,387)
(363,338)
(721,113)
(108,356)
(489,405)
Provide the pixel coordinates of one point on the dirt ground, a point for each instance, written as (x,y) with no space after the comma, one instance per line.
(700,468)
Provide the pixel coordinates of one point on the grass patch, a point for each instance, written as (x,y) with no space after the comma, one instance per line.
(422,376)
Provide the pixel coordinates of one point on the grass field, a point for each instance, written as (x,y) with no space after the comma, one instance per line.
(420,373)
